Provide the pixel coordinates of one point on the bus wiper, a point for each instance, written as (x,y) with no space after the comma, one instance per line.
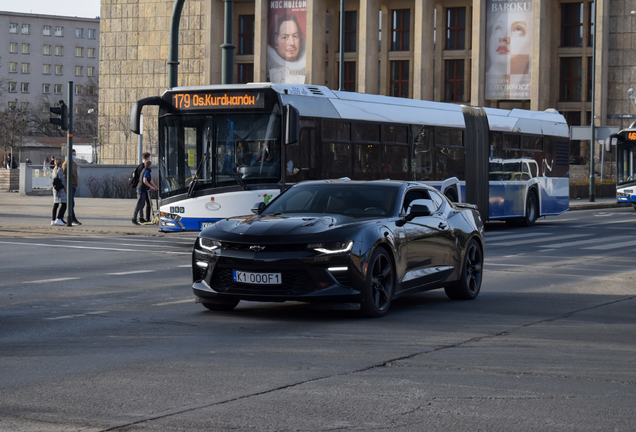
(239,180)
(194,181)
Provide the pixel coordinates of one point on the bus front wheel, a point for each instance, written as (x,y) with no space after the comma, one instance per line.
(532,209)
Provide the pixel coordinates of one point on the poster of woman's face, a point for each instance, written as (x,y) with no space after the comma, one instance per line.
(509,46)
(286,47)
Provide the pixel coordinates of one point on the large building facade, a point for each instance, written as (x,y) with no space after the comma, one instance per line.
(41,54)
(530,54)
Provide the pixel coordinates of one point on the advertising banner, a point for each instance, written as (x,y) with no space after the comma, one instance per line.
(286,33)
(508,49)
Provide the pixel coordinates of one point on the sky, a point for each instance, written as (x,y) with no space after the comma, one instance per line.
(79,8)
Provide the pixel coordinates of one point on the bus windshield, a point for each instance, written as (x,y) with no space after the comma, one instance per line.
(625,163)
(218,150)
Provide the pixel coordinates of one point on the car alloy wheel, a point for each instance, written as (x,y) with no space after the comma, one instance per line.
(379,285)
(469,284)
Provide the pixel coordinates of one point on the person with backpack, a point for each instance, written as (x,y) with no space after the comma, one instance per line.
(144,185)
(133,181)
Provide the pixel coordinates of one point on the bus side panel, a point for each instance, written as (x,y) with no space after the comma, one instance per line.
(555,195)
(506,199)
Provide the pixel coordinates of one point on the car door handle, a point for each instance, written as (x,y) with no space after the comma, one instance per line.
(442,225)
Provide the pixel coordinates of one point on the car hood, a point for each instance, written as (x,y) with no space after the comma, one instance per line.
(287,225)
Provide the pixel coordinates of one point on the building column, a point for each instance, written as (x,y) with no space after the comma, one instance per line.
(540,57)
(478,48)
(315,42)
(423,71)
(260,40)
(368,47)
(214,11)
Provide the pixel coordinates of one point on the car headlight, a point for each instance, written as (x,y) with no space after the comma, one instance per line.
(209,245)
(332,248)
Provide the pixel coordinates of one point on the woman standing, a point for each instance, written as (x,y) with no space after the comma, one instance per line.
(59,196)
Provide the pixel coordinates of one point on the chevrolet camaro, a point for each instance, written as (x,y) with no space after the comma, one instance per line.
(363,242)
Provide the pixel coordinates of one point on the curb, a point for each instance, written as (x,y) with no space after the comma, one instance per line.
(597,206)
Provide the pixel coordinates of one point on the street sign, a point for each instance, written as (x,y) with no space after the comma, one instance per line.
(585,132)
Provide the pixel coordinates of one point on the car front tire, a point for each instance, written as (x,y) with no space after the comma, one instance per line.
(469,284)
(379,285)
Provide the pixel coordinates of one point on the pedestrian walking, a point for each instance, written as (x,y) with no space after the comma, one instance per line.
(74,220)
(144,186)
(59,194)
(145,157)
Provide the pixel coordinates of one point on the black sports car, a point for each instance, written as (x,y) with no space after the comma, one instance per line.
(342,241)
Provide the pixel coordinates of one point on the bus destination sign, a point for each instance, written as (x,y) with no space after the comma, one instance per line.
(204,101)
(631,136)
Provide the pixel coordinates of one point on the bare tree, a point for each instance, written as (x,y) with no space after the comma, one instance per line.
(14,126)
(85,119)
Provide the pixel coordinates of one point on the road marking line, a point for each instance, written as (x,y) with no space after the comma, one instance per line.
(602,223)
(131,272)
(75,316)
(185,265)
(580,242)
(515,236)
(525,242)
(613,246)
(98,248)
(51,280)
(174,302)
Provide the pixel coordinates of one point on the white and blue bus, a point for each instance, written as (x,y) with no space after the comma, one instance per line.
(625,142)
(225,148)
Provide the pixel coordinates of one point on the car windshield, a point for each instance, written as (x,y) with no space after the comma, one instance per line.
(356,200)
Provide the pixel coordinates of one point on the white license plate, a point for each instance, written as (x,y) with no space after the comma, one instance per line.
(206,224)
(257,278)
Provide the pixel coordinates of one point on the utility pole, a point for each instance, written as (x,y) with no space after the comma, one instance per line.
(69,158)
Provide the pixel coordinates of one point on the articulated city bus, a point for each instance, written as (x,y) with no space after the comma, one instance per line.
(223,149)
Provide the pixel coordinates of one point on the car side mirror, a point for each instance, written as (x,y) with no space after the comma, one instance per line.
(258,207)
(418,210)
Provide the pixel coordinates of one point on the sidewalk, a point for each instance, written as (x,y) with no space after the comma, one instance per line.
(32,215)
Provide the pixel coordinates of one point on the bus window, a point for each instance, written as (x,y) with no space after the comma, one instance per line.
(530,142)
(396,134)
(339,131)
(367,132)
(450,162)
(422,158)
(301,159)
(445,137)
(336,160)
(511,142)
(367,162)
(395,162)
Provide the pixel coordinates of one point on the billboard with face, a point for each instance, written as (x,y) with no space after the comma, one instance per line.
(508,49)
(286,25)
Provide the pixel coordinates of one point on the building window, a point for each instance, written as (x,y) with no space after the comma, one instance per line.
(46,88)
(91,33)
(570,82)
(45,107)
(26,28)
(400,26)
(59,31)
(59,50)
(24,87)
(79,70)
(400,78)
(46,69)
(26,48)
(13,47)
(456,28)
(57,88)
(590,83)
(13,67)
(91,52)
(46,50)
(11,105)
(13,28)
(590,39)
(46,31)
(25,68)
(245,73)
(79,33)
(12,87)
(350,32)
(90,90)
(58,69)
(572,24)
(350,75)
(246,34)
(79,51)
(78,89)
(90,71)
(454,85)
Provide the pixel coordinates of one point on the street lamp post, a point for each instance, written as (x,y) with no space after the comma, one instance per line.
(593,138)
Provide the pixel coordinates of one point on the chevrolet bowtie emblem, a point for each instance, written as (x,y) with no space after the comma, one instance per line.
(257,248)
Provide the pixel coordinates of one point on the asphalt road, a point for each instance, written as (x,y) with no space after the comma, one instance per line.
(100,333)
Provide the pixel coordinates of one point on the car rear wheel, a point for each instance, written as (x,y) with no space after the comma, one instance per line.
(220,305)
(378,289)
(469,284)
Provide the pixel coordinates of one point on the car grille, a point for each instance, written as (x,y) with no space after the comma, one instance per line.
(342,279)
(268,247)
(295,282)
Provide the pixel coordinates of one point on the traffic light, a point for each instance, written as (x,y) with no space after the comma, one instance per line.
(62,111)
